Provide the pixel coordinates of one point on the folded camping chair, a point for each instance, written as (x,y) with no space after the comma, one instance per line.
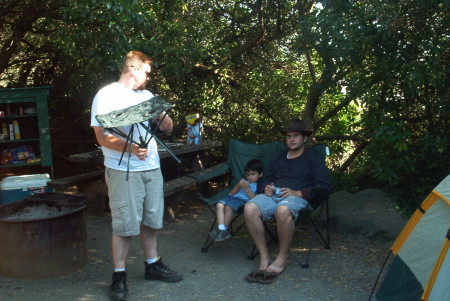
(239,153)
(133,116)
(319,203)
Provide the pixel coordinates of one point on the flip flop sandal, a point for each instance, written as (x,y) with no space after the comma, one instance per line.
(255,275)
(268,277)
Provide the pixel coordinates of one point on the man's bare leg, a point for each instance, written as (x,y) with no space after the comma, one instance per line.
(254,222)
(120,247)
(148,241)
(286,230)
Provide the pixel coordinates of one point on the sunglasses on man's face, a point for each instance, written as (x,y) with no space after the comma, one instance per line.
(147,71)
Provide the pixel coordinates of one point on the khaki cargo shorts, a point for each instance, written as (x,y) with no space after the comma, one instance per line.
(140,200)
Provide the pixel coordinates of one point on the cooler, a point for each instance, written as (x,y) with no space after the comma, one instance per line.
(18,187)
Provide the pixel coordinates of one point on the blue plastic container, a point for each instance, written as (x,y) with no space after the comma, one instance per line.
(18,187)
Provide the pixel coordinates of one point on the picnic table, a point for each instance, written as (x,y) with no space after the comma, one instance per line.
(178,148)
(174,182)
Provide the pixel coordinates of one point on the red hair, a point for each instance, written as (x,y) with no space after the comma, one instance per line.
(135,59)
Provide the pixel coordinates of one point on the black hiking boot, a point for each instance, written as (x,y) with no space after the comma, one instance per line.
(119,289)
(159,271)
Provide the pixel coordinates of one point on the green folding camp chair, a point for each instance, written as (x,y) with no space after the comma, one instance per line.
(319,203)
(239,153)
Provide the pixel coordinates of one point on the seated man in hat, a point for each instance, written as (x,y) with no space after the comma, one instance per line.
(288,182)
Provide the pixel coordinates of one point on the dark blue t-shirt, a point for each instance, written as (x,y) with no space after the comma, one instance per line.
(302,173)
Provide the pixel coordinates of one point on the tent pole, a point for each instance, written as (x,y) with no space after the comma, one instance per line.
(379,274)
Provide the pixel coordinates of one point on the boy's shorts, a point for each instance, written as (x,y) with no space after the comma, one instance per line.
(140,200)
(233,202)
(268,204)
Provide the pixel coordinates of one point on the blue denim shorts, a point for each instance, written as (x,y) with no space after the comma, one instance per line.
(268,204)
(233,202)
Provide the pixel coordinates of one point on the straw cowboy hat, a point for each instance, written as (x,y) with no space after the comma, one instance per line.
(299,125)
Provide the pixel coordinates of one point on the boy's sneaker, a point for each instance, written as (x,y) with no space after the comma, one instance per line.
(214,233)
(159,271)
(223,234)
(119,286)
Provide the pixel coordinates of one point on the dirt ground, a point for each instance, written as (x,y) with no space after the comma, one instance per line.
(346,272)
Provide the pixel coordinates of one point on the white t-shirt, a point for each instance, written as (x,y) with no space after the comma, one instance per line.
(116,97)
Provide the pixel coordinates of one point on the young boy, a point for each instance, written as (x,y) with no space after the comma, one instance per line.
(241,193)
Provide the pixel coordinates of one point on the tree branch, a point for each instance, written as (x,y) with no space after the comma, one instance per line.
(310,67)
(22,25)
(353,156)
(317,88)
(252,42)
(354,137)
(333,112)
(201,70)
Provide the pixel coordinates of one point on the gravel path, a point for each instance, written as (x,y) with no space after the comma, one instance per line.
(346,272)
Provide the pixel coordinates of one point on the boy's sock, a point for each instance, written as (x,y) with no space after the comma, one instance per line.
(119,270)
(150,261)
(223,227)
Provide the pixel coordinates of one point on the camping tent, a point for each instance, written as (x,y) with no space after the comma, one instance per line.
(421,268)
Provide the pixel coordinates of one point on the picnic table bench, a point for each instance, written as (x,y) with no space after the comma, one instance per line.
(63,183)
(170,187)
(188,181)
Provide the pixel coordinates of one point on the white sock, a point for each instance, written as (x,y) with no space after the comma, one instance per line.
(223,227)
(150,261)
(119,270)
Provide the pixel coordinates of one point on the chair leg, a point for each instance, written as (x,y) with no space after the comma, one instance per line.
(233,232)
(209,241)
(230,226)
(237,245)
(272,234)
(325,241)
(253,253)
(316,232)
(207,244)
(273,238)
(305,264)
(328,224)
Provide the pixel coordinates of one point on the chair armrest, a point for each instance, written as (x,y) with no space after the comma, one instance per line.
(318,196)
(210,173)
(218,196)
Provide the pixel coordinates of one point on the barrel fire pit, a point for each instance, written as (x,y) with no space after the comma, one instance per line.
(43,236)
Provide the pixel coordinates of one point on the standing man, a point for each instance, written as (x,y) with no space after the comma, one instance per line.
(137,204)
(288,182)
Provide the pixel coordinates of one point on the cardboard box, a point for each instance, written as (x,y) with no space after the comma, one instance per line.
(18,187)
